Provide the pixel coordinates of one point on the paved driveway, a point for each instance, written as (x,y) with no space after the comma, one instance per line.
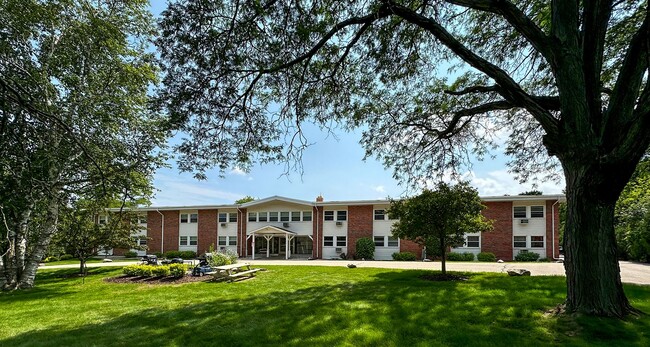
(630,272)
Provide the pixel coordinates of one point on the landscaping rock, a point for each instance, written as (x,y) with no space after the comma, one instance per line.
(107,260)
(518,272)
(351,266)
(499,261)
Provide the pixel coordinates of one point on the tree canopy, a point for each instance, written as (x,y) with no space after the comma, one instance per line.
(439,218)
(633,216)
(563,82)
(75,118)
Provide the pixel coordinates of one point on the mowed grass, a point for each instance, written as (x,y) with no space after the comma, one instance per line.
(92,260)
(308,306)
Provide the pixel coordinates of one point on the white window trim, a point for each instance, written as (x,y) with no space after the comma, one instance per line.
(336,216)
(465,243)
(386,237)
(518,247)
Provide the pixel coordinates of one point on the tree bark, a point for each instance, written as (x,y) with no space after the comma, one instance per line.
(28,274)
(592,271)
(443,255)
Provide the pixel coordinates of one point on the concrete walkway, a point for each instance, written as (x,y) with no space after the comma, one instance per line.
(630,272)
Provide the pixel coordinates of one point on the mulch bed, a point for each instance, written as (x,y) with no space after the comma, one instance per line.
(157,280)
(444,278)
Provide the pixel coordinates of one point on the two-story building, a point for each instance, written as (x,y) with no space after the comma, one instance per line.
(284,227)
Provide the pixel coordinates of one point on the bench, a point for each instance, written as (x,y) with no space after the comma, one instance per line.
(233,271)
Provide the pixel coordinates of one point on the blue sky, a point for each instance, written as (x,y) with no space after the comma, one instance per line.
(332,166)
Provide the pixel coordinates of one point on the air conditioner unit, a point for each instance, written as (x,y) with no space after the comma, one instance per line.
(523,251)
(338,224)
(286,225)
(523,221)
(339,250)
(224,224)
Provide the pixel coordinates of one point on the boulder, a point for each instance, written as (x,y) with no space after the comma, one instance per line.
(499,261)
(518,272)
(107,260)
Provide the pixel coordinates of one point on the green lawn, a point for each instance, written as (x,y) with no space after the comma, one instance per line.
(92,260)
(308,306)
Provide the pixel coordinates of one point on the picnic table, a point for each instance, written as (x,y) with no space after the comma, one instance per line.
(233,271)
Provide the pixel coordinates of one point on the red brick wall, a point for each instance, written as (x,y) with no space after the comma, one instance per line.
(242,219)
(207,231)
(154,223)
(499,240)
(119,251)
(359,225)
(171,230)
(410,246)
(552,212)
(317,234)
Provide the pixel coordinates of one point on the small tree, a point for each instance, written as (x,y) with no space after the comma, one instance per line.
(439,217)
(244,200)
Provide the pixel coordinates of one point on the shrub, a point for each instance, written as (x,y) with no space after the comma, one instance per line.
(159,254)
(172,254)
(223,258)
(343,256)
(404,256)
(130,254)
(468,256)
(177,270)
(527,256)
(365,248)
(188,255)
(160,271)
(145,270)
(453,256)
(130,270)
(486,256)
(50,259)
(66,257)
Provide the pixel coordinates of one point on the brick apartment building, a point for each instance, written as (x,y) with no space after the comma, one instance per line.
(326,229)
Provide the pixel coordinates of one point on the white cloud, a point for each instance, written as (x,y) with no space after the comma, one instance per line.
(501,182)
(238,171)
(179,190)
(379,189)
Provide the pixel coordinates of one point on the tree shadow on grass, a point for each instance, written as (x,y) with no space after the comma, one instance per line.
(367,308)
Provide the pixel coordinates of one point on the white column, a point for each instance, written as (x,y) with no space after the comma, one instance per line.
(253,247)
(286,253)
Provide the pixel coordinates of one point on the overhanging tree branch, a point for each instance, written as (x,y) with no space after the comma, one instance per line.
(510,89)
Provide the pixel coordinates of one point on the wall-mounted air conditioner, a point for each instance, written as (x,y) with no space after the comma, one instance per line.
(339,250)
(224,224)
(338,224)
(286,225)
(523,221)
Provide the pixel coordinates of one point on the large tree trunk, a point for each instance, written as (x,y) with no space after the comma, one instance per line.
(28,275)
(443,255)
(592,272)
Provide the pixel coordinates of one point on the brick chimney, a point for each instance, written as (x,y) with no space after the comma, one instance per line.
(319,198)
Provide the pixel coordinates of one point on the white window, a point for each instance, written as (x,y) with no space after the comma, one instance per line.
(341,241)
(392,241)
(519,241)
(328,241)
(537,241)
(380,215)
(194,240)
(142,219)
(379,241)
(536,211)
(262,216)
(273,216)
(183,241)
(103,219)
(306,216)
(223,241)
(223,217)
(329,215)
(519,212)
(295,216)
(473,241)
(284,216)
(252,216)
(142,242)
(341,215)
(232,240)
(232,217)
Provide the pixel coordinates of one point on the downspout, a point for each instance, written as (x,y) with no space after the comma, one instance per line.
(317,236)
(162,232)
(553,227)
(239,229)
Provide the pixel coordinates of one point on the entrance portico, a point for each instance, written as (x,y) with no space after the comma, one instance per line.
(269,232)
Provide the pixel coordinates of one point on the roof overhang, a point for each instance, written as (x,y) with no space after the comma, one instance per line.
(272,230)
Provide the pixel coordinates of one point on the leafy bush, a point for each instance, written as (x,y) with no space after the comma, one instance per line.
(177,270)
(365,248)
(161,271)
(66,257)
(223,258)
(145,270)
(180,254)
(50,259)
(130,270)
(453,256)
(487,257)
(130,254)
(404,256)
(527,256)
(468,256)
(159,254)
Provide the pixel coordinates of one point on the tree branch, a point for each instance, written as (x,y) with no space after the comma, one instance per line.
(517,18)
(474,89)
(511,91)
